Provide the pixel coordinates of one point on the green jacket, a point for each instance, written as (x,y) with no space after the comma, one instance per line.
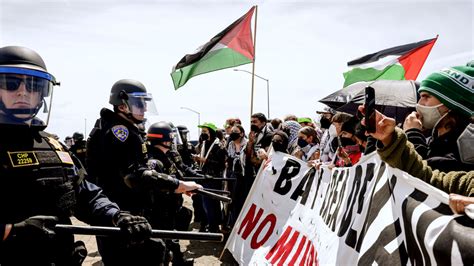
(402,155)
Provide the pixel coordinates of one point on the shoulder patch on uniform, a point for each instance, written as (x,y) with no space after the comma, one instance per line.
(64,157)
(120,132)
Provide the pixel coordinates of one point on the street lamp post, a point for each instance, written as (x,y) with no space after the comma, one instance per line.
(268,88)
(199,117)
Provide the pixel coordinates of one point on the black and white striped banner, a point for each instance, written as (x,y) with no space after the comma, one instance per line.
(366,214)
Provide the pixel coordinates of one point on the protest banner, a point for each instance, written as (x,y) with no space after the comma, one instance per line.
(369,213)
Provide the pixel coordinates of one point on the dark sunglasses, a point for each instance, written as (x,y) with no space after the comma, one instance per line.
(32,84)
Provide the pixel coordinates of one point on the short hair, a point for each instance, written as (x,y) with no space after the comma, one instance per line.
(276,122)
(261,117)
(341,117)
(290,118)
(240,127)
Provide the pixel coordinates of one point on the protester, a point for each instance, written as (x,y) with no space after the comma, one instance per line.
(329,133)
(306,122)
(259,138)
(445,107)
(235,168)
(211,160)
(400,153)
(43,184)
(279,143)
(308,144)
(290,117)
(348,152)
(116,159)
(276,123)
(292,128)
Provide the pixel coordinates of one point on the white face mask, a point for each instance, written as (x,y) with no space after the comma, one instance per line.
(430,115)
(332,131)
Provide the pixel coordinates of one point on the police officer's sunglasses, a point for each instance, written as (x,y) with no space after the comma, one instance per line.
(32,84)
(34,80)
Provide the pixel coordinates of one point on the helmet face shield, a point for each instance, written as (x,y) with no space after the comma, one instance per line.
(141,103)
(25,96)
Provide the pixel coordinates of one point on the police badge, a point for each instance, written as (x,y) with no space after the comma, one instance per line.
(120,132)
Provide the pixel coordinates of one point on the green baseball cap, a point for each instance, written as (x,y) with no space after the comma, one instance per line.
(304,120)
(211,126)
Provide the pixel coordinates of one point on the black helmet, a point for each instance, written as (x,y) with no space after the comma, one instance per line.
(160,132)
(133,94)
(77,136)
(21,65)
(123,87)
(183,129)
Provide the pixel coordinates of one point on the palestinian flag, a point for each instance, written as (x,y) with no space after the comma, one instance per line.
(396,63)
(231,47)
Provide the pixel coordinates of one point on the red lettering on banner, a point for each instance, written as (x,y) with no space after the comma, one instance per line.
(281,250)
(250,221)
(271,218)
(305,254)
(298,251)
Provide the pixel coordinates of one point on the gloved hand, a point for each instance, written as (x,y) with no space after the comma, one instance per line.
(136,229)
(39,227)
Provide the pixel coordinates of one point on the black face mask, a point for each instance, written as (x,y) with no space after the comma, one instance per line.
(254,128)
(234,136)
(302,143)
(347,142)
(204,137)
(277,146)
(325,122)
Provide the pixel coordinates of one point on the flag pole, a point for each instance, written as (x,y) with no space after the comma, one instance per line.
(254,57)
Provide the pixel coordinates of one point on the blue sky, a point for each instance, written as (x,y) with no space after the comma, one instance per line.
(302,48)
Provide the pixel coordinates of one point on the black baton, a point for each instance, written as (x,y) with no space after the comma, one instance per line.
(115,231)
(195,178)
(212,195)
(225,192)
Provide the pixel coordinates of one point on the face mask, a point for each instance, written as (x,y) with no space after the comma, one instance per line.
(332,131)
(465,147)
(204,137)
(234,136)
(302,143)
(429,115)
(254,128)
(277,146)
(347,142)
(325,123)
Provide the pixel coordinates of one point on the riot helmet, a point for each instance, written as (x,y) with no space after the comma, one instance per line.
(133,94)
(183,132)
(160,132)
(26,88)
(77,136)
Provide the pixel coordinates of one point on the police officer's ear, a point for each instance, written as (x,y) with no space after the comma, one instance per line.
(123,108)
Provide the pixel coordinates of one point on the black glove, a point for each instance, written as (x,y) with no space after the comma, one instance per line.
(136,229)
(39,227)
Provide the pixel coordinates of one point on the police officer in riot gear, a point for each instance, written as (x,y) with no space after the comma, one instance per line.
(116,160)
(168,210)
(79,147)
(41,183)
(186,149)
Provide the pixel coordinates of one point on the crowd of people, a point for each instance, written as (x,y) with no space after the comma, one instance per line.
(133,177)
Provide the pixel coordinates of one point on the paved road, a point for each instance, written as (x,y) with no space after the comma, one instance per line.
(204,253)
